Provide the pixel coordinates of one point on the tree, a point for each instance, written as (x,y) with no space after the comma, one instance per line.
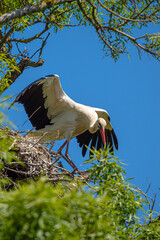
(104,205)
(114,22)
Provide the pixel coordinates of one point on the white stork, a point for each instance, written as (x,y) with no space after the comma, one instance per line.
(52,112)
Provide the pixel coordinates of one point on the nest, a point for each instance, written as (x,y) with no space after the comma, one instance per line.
(32,161)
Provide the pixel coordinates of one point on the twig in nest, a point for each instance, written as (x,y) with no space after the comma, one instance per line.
(39,139)
(18,171)
(29,131)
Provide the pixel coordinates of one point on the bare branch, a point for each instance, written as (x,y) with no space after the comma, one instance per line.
(148,186)
(43,44)
(151,201)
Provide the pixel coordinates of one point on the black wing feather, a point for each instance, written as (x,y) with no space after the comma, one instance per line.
(114,139)
(86,143)
(93,143)
(85,138)
(32,99)
(110,142)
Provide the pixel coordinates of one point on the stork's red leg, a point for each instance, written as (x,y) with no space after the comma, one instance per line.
(67,156)
(60,149)
(68,159)
(66,153)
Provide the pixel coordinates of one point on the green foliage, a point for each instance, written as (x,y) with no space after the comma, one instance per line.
(108,172)
(4,112)
(6,142)
(104,208)
(115,23)
(41,211)
(7,66)
(150,231)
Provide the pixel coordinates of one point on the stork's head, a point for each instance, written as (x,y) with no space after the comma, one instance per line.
(101,126)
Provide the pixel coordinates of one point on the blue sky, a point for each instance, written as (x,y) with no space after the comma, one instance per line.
(128,90)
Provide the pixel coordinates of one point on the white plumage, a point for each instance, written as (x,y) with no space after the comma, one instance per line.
(51,111)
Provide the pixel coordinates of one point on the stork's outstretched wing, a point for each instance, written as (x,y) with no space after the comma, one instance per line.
(44,99)
(94,140)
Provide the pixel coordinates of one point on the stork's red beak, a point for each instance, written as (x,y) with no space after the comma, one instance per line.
(102,132)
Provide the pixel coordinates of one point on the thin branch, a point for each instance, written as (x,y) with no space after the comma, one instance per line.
(151,202)
(154,200)
(148,186)
(8,99)
(39,139)
(27,40)
(18,171)
(147,197)
(43,44)
(157,219)
(29,117)
(148,35)
(133,40)
(26,132)
(121,17)
(105,42)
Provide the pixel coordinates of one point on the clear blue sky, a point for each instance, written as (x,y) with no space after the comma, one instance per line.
(128,89)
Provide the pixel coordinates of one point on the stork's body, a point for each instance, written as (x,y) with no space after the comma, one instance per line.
(70,123)
(52,112)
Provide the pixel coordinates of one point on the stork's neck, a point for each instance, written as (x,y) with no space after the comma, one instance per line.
(94,127)
(92,120)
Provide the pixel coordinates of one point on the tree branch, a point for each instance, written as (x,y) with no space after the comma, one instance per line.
(28,10)
(27,40)
(26,62)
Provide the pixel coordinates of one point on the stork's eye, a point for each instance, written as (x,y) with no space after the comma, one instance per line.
(99,125)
